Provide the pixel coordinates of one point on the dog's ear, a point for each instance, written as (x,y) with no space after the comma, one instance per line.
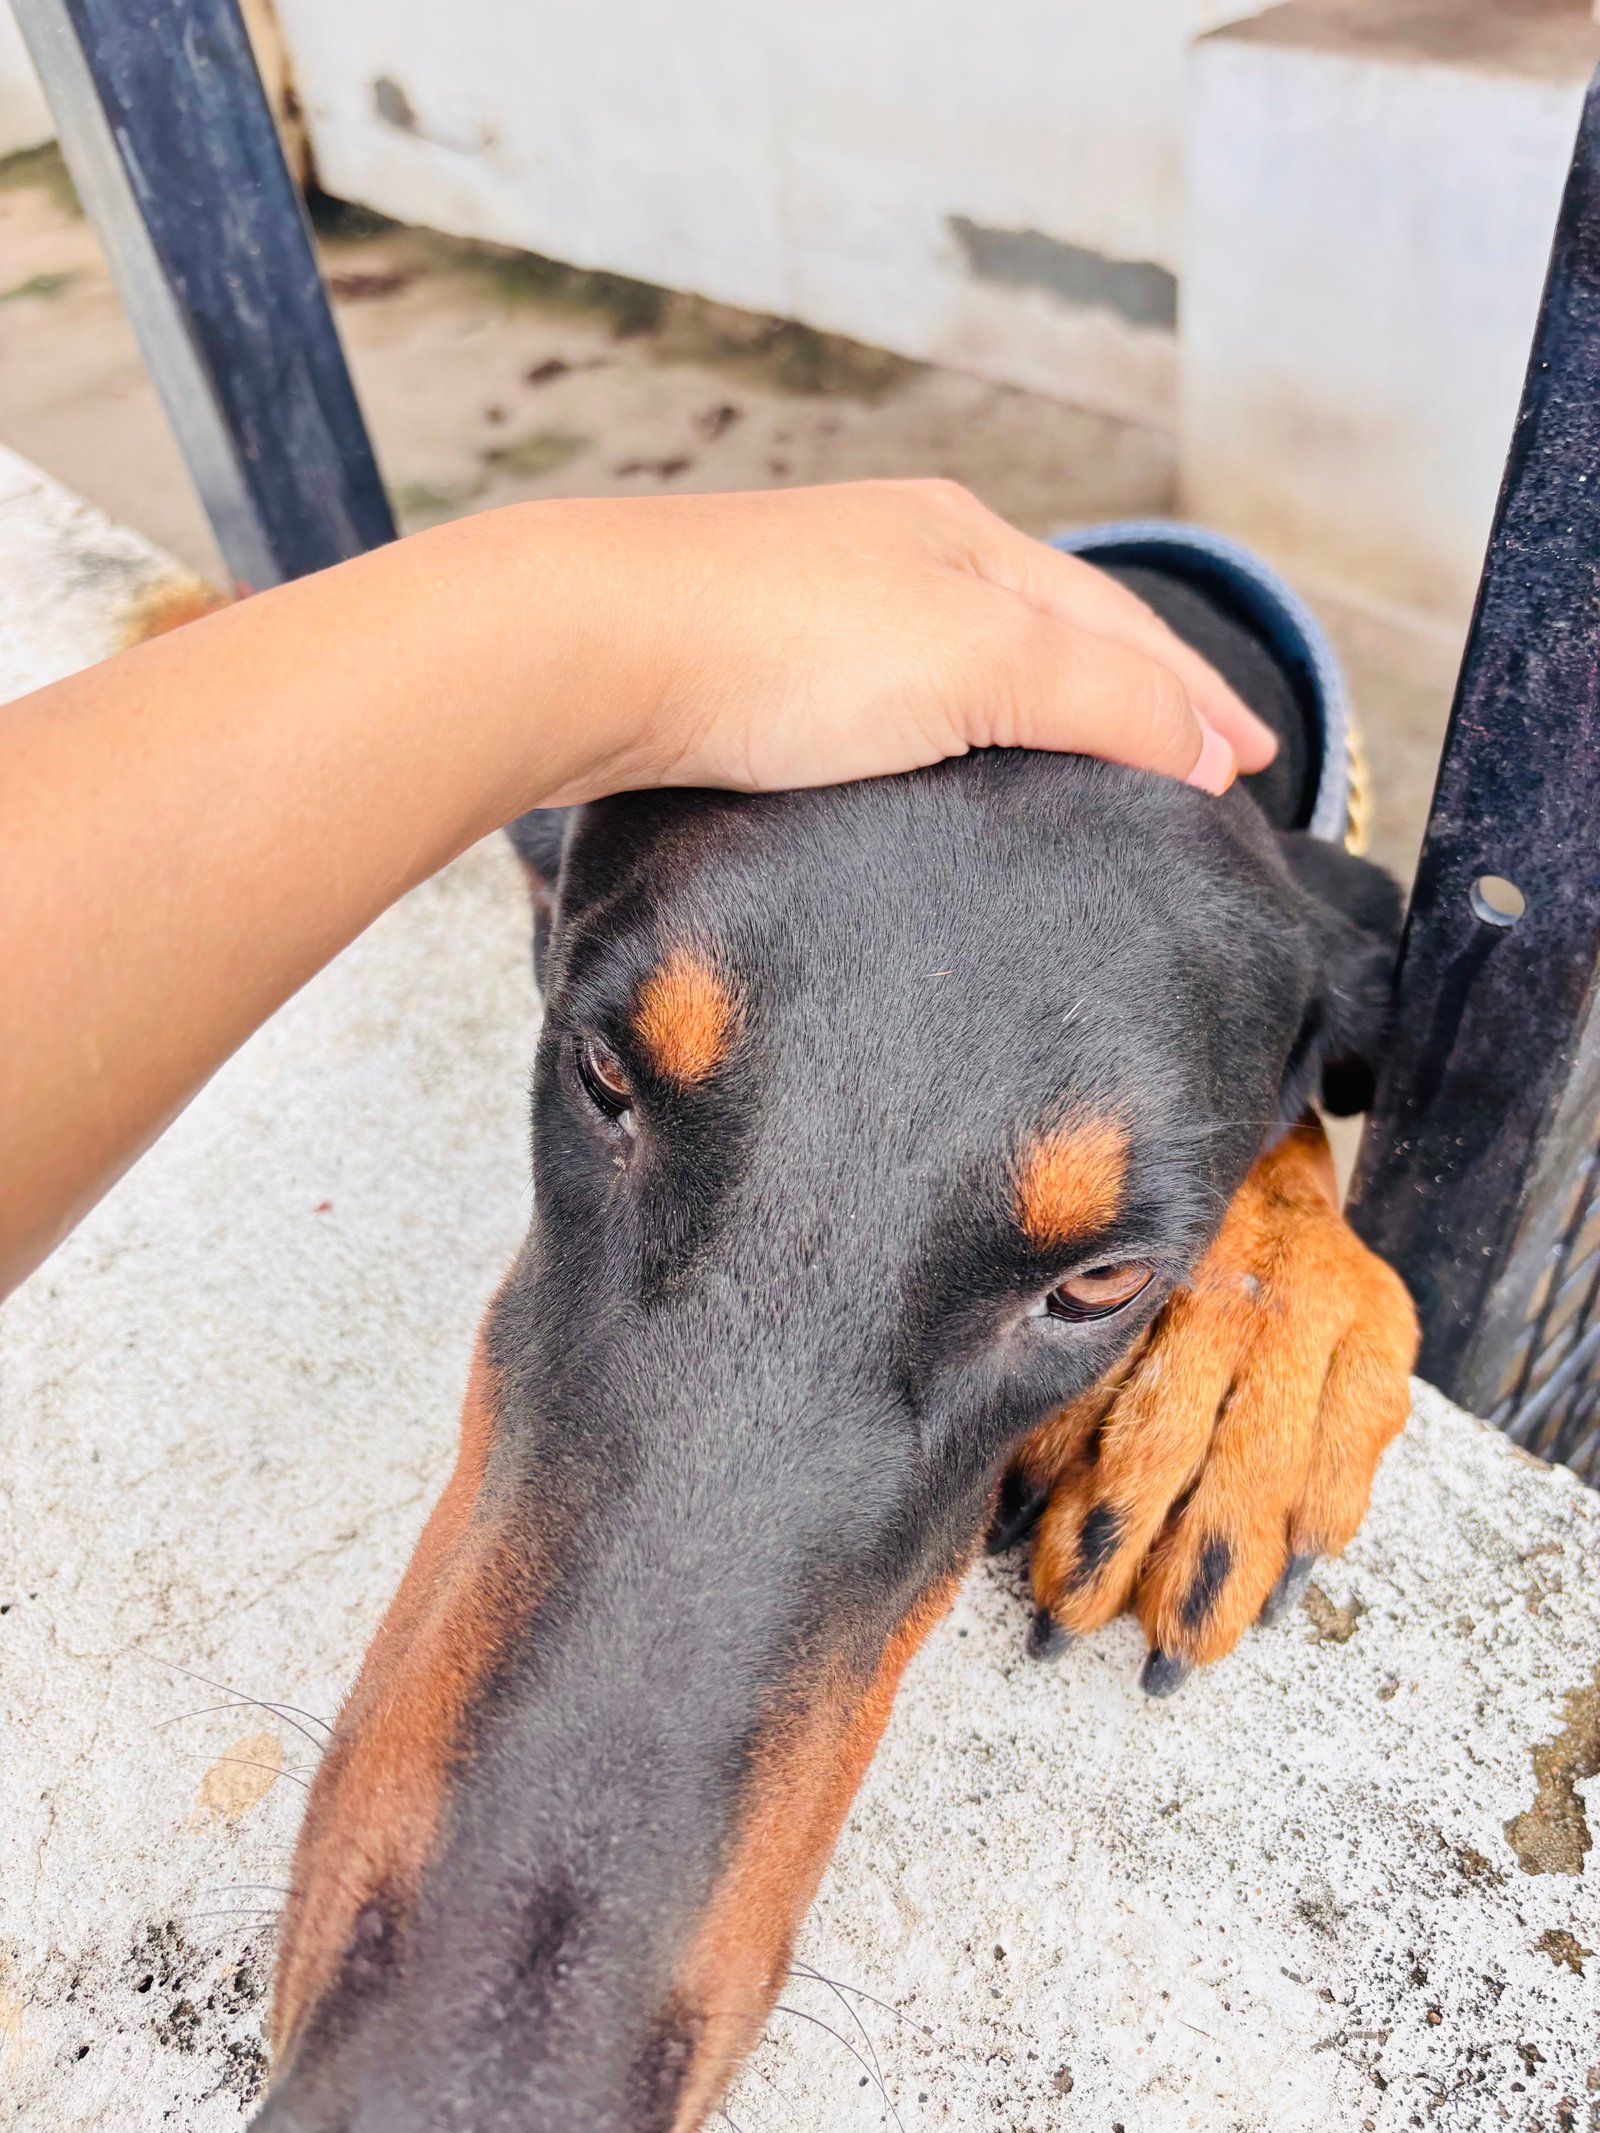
(1353,912)
(539,840)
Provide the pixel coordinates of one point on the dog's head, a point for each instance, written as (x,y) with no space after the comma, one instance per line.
(870,1127)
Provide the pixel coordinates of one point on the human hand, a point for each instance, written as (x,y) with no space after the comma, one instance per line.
(811,636)
(260,785)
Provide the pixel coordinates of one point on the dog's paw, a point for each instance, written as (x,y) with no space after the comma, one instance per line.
(1238,1443)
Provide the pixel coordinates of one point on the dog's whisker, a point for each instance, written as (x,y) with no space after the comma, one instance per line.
(783,2007)
(247,1762)
(278,1710)
(269,1916)
(242,1703)
(270,1888)
(805,1972)
(872,2000)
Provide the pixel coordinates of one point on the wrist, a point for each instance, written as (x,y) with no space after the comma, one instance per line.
(555,612)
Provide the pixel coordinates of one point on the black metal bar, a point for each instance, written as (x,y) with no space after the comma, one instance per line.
(167,132)
(1489,1105)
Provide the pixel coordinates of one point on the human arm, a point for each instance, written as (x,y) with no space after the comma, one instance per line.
(189,831)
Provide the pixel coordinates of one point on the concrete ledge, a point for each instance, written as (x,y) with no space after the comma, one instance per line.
(74,587)
(1345,1880)
(1371,197)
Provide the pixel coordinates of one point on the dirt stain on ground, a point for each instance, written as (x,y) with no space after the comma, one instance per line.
(1563,1948)
(1553,1835)
(238,1778)
(1331,1624)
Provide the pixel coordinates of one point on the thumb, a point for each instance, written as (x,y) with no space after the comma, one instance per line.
(1091,695)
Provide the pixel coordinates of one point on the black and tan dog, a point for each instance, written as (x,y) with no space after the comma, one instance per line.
(908,1156)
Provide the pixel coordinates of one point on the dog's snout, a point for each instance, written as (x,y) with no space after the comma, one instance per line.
(545,1956)
(279,2115)
(586,1783)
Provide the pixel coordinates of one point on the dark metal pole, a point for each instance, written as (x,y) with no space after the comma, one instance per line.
(168,135)
(1479,1174)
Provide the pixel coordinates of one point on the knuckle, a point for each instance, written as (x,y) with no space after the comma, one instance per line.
(1167,711)
(946,493)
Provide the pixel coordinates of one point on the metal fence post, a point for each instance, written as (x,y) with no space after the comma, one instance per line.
(168,135)
(1480,1175)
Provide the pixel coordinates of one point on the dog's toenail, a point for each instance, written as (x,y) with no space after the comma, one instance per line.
(1046,1638)
(1164,1672)
(1289,1588)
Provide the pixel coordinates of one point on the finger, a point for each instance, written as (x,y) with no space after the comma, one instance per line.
(1109,1509)
(1060,686)
(1117,611)
(1074,589)
(1364,1406)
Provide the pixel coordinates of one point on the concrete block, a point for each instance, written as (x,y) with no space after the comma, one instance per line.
(981,188)
(1344,1880)
(25,120)
(74,587)
(1372,194)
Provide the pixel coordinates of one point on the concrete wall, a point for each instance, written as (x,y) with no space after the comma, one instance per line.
(1370,213)
(997,188)
(1357,207)
(24,116)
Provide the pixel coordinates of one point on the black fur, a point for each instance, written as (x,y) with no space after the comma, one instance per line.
(763,1364)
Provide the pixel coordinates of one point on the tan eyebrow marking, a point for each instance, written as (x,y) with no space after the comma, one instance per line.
(686,1018)
(1069,1182)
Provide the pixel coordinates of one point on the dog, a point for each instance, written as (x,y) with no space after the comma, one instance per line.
(915,1162)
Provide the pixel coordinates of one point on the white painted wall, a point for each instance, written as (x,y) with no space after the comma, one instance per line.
(806,161)
(1002,189)
(25,119)
(1367,242)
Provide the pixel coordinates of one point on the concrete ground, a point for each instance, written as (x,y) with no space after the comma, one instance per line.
(1344,1880)
(487,377)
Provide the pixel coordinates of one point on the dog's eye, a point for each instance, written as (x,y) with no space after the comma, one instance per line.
(1099,1290)
(604,1082)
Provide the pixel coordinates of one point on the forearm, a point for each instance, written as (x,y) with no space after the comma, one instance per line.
(189,832)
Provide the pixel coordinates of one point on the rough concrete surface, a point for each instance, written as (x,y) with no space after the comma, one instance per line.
(1345,1880)
(77,587)
(1287,1901)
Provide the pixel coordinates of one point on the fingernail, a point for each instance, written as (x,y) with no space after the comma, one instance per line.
(1265,740)
(1046,1638)
(1215,768)
(1163,1673)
